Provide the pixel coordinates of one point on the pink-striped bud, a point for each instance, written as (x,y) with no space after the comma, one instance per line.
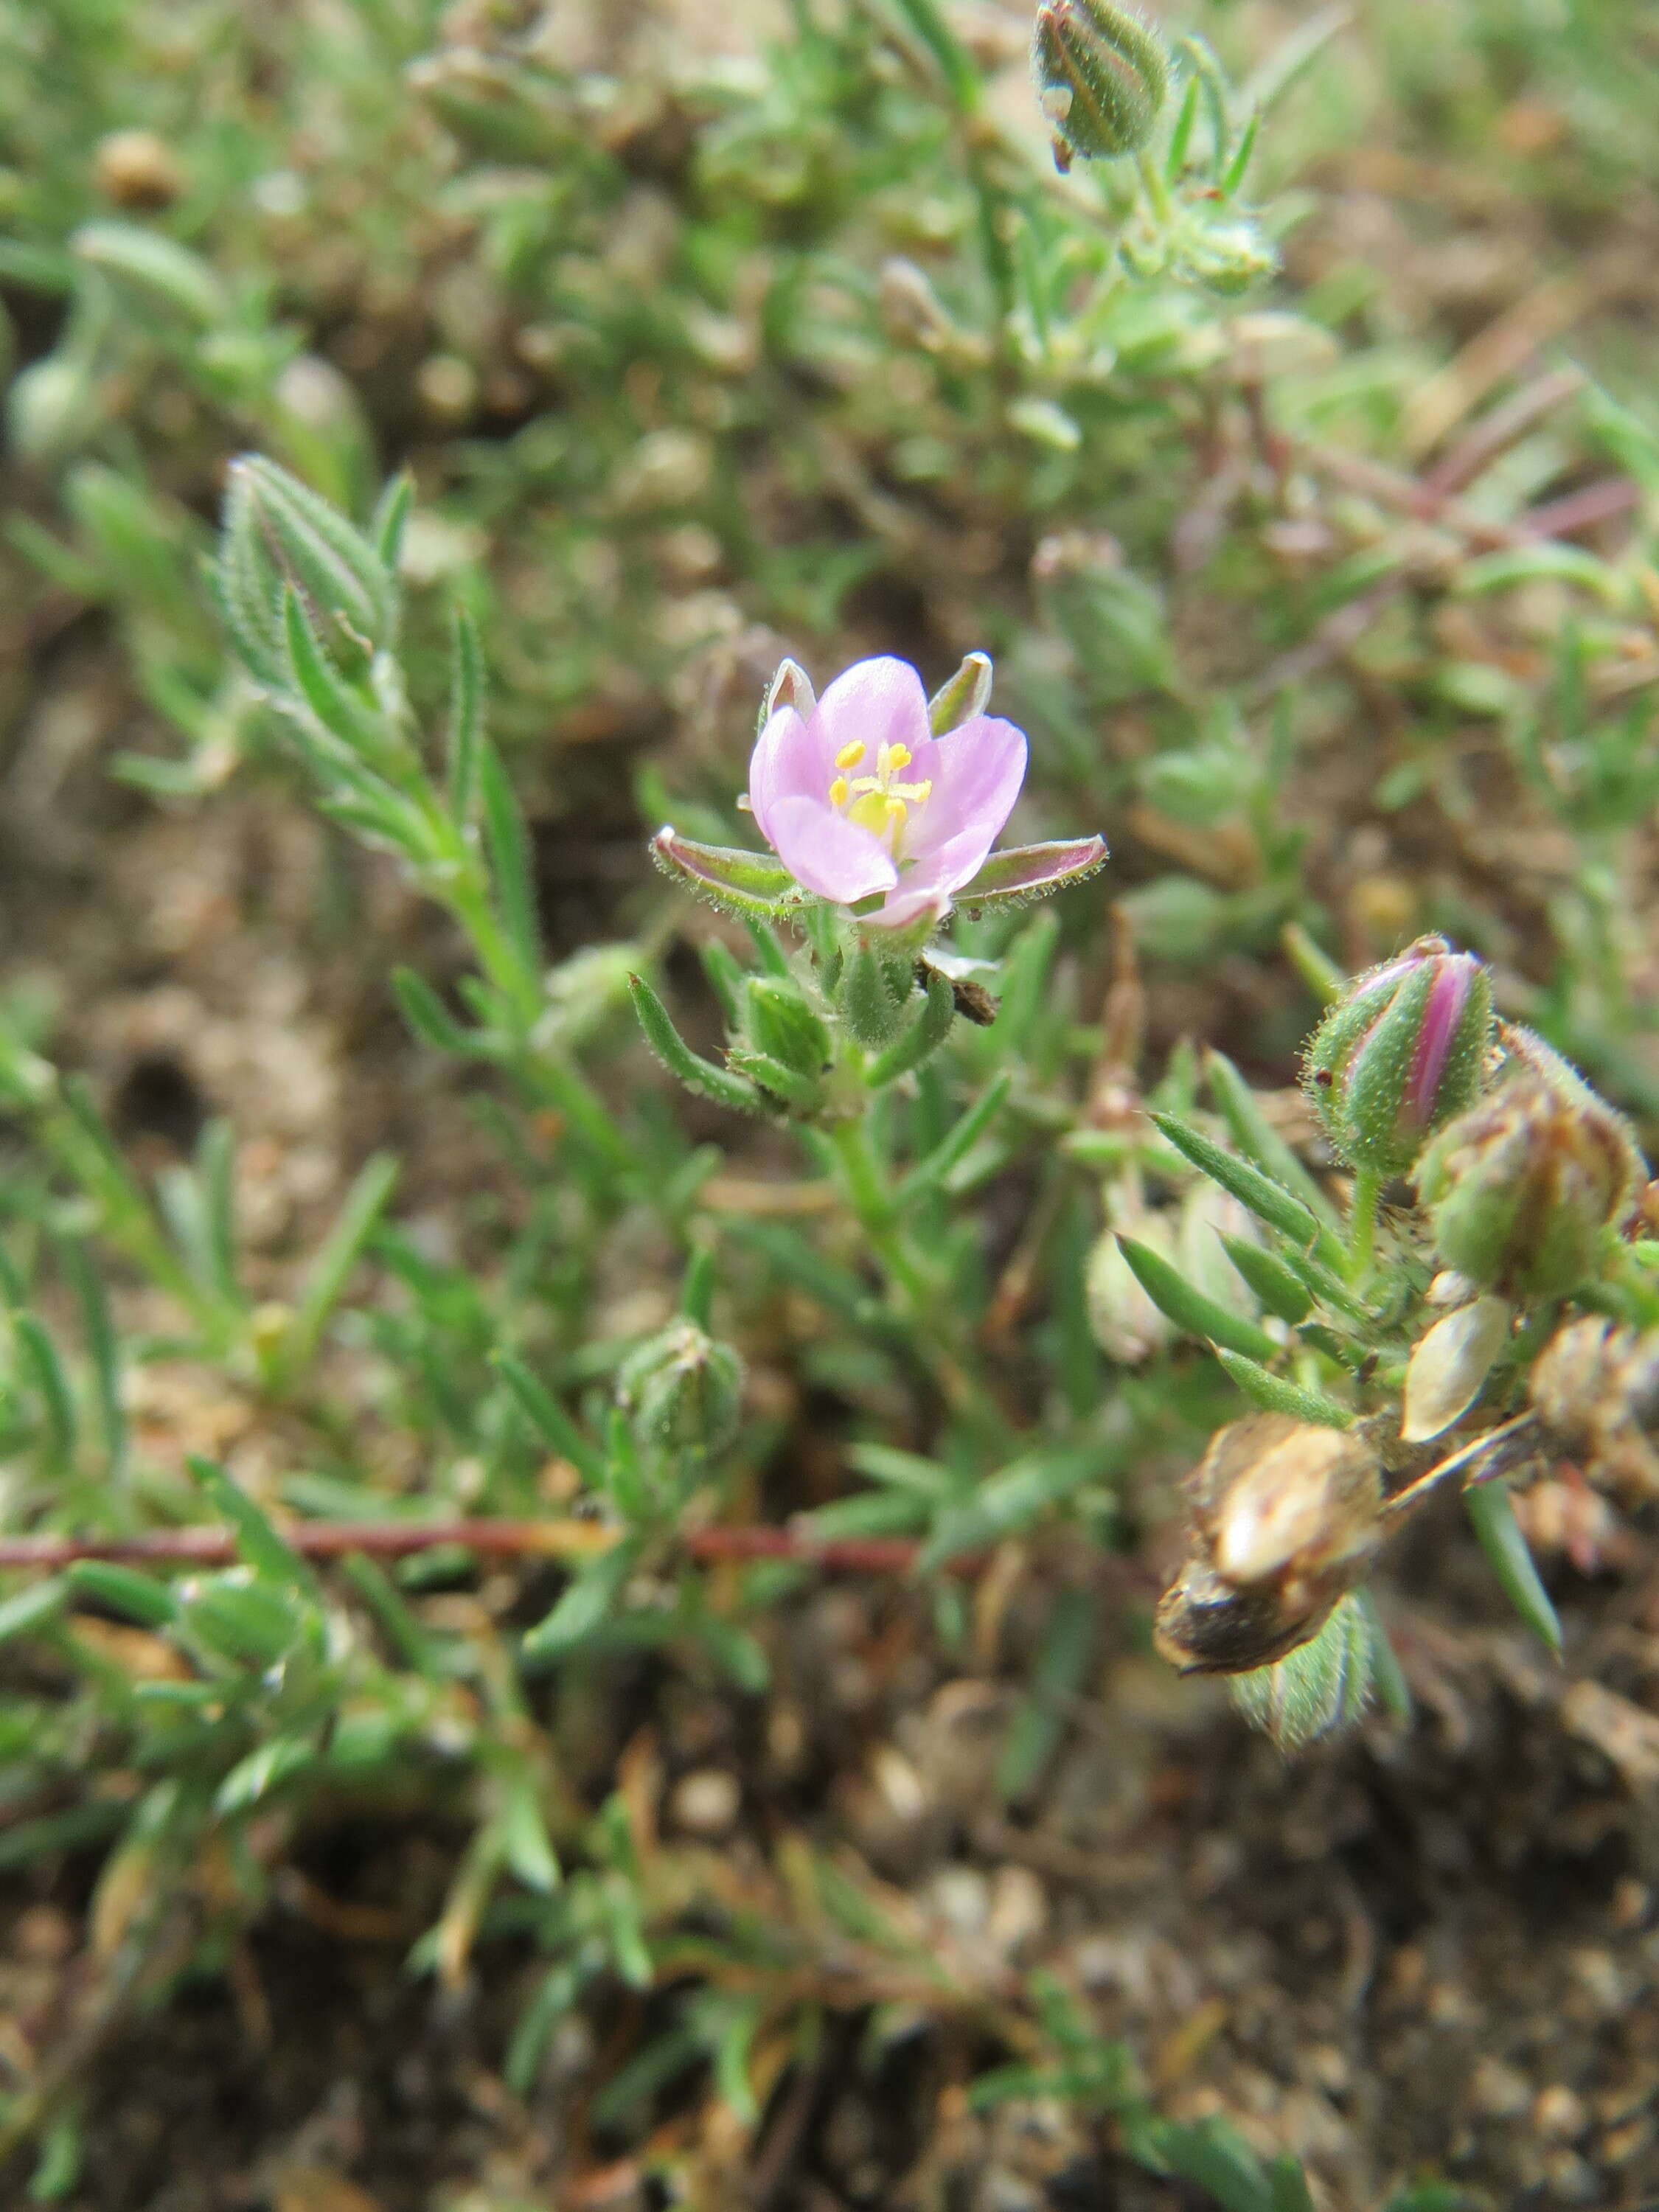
(1401,1052)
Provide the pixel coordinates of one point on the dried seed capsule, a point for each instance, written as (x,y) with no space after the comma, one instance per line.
(1522,1186)
(1401,1052)
(137,169)
(1285,1518)
(1101,77)
(1595,1387)
(1449,1366)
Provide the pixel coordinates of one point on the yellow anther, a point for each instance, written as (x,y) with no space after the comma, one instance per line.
(850,756)
(840,792)
(896,810)
(898,756)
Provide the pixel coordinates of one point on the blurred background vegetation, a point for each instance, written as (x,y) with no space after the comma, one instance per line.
(706,335)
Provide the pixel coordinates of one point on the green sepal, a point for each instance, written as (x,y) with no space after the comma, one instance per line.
(744,883)
(961,697)
(1022,873)
(926,1032)
(1322,1686)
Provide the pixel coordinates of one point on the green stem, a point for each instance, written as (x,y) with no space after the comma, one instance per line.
(1155,189)
(868,1191)
(548,1077)
(871,1202)
(1362,1225)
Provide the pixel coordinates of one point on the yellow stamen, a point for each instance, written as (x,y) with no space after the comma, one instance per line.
(883,762)
(840,792)
(896,810)
(849,756)
(898,756)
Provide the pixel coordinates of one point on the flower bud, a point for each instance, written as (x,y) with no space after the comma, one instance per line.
(1284,1519)
(53,407)
(1522,1185)
(782,1025)
(1400,1052)
(1101,77)
(682,1389)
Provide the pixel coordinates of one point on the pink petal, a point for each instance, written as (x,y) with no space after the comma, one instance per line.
(827,854)
(977,772)
(874,703)
(917,894)
(785,763)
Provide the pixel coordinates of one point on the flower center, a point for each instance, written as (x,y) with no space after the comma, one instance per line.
(880,803)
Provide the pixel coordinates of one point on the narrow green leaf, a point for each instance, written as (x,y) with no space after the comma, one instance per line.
(929,1173)
(156,265)
(255,1777)
(267,1552)
(47,1372)
(430,1019)
(1392,1687)
(1068,1647)
(143,1598)
(1268,1200)
(676,1056)
(1258,1141)
(525,1842)
(1279,1289)
(1276,1395)
(1189,1309)
(587,1602)
(1492,1512)
(466,725)
(342,1249)
(34,1607)
(330,699)
(507,844)
(391,516)
(551,1421)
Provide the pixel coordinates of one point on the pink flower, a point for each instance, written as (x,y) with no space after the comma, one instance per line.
(858,798)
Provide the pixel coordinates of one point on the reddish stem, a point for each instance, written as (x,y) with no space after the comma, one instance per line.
(563,1539)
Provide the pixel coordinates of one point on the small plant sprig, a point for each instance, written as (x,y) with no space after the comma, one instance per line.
(312,605)
(881,806)
(1400,1345)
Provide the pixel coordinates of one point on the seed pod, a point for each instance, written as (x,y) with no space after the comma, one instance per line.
(1595,1387)
(682,1389)
(1401,1052)
(1285,1518)
(1449,1367)
(138,170)
(1522,1185)
(1101,77)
